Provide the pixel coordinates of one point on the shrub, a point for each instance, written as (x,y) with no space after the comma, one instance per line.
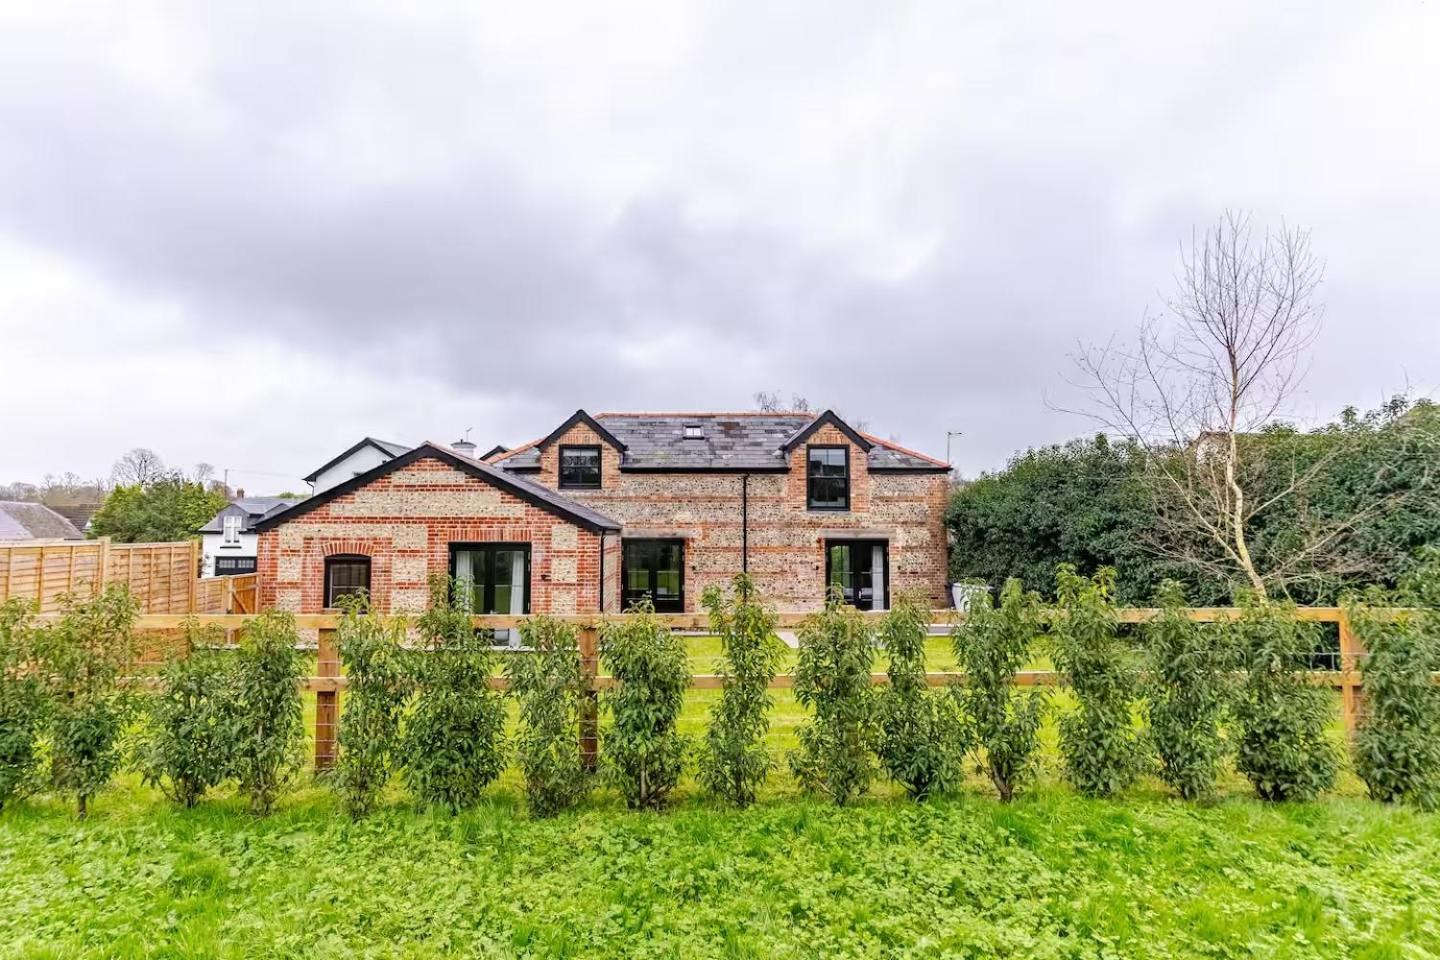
(268,711)
(188,744)
(735,759)
(22,701)
(1187,692)
(920,734)
(549,684)
(377,688)
(1397,743)
(454,742)
(1283,749)
(645,754)
(1001,720)
(82,656)
(832,678)
(1102,750)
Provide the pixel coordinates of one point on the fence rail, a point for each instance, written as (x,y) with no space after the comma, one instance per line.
(328,683)
(161,576)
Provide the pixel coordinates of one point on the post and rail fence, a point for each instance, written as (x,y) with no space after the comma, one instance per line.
(328,682)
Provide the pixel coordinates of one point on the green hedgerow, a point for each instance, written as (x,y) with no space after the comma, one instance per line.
(22,701)
(269,729)
(645,753)
(735,760)
(548,682)
(378,685)
(188,744)
(920,734)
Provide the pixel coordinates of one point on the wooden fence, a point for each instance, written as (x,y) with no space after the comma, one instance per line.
(328,683)
(238,593)
(161,576)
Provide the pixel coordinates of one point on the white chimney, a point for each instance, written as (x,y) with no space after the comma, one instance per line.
(464,447)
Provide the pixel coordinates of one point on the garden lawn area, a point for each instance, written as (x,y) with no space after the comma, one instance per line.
(1053,875)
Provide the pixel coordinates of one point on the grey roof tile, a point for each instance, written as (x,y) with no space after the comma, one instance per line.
(23,520)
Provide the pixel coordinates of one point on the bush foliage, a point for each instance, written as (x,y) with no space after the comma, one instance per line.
(22,702)
(644,752)
(735,760)
(454,742)
(81,657)
(1283,748)
(188,744)
(1001,720)
(1187,693)
(832,678)
(378,687)
(1102,749)
(920,743)
(549,685)
(266,701)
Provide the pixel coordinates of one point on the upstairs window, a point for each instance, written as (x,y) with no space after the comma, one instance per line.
(231,536)
(579,467)
(827,477)
(693,431)
(346,575)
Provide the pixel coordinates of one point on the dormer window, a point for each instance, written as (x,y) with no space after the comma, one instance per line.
(693,431)
(579,467)
(231,535)
(827,477)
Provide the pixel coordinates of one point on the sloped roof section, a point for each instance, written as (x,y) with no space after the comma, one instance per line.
(22,520)
(387,447)
(527,490)
(251,508)
(727,442)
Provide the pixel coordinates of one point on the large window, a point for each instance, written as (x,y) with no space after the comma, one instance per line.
(496,576)
(827,478)
(858,568)
(579,467)
(654,570)
(346,575)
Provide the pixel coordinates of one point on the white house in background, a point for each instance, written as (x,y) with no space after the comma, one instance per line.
(366,455)
(227,542)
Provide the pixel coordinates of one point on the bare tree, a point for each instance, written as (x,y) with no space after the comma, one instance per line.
(140,467)
(771,401)
(1217,366)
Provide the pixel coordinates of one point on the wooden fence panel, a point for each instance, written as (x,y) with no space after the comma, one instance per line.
(161,576)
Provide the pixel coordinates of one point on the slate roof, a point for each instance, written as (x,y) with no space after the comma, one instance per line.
(732,442)
(527,490)
(253,509)
(23,520)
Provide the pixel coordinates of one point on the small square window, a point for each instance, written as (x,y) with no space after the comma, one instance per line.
(693,431)
(579,468)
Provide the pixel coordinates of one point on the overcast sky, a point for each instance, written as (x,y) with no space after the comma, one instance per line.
(250,234)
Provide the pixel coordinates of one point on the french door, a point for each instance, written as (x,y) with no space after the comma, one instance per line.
(496,576)
(654,570)
(860,569)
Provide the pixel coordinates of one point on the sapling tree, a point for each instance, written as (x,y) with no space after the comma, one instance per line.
(1102,749)
(920,743)
(1001,720)
(735,760)
(1283,747)
(549,684)
(378,685)
(22,701)
(1397,742)
(645,753)
(1187,690)
(454,742)
(188,744)
(832,678)
(268,713)
(82,657)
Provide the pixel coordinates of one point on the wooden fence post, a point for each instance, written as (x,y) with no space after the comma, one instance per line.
(1351,696)
(327,701)
(590,709)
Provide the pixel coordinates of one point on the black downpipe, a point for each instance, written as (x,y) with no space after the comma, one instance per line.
(745,522)
(602,571)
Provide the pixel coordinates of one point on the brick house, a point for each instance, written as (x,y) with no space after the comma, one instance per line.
(608,509)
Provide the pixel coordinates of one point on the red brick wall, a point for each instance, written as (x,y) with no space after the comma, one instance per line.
(786,540)
(405,522)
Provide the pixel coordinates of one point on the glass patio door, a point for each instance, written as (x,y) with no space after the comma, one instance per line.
(654,570)
(859,568)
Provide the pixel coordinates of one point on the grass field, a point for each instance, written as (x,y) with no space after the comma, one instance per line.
(1054,875)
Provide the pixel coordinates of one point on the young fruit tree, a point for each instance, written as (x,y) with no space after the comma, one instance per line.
(269,731)
(920,743)
(832,678)
(1102,749)
(22,701)
(82,657)
(1197,393)
(548,683)
(1001,720)
(454,743)
(378,686)
(734,759)
(644,751)
(187,745)
(1187,690)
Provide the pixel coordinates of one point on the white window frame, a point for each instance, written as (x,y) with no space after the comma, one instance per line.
(230,535)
